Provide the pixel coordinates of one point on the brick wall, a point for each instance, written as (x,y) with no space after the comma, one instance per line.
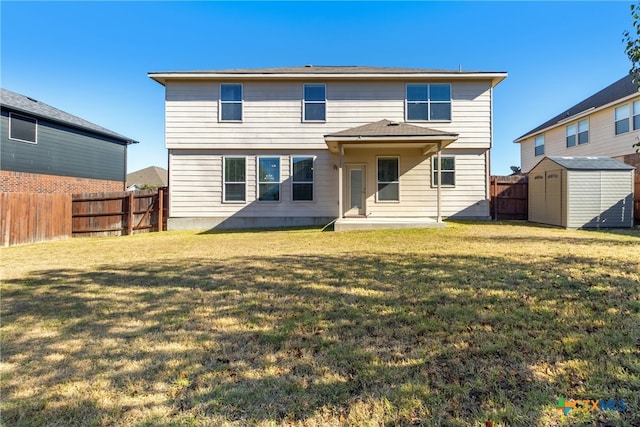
(22,182)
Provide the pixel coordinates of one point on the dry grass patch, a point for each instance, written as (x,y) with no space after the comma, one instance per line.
(437,327)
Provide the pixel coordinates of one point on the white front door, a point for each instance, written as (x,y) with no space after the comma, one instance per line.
(356,191)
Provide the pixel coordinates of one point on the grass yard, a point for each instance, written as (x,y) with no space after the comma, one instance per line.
(434,327)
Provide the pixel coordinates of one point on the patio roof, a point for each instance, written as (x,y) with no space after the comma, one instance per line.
(387,132)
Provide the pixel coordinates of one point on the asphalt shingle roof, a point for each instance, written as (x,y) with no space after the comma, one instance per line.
(330,69)
(153,176)
(589,163)
(387,128)
(24,104)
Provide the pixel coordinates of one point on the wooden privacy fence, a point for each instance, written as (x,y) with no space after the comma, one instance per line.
(509,197)
(118,214)
(34,217)
(636,203)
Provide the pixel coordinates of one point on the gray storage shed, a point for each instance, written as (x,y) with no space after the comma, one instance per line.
(581,192)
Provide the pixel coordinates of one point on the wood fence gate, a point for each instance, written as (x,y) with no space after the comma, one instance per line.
(509,197)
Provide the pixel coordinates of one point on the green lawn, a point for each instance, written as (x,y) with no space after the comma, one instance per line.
(434,327)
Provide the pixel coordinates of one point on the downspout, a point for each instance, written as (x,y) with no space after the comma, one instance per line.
(439,175)
(340,180)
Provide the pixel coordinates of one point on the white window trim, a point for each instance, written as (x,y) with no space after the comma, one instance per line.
(224,181)
(392,182)
(628,118)
(258,182)
(535,140)
(633,115)
(305,102)
(428,102)
(313,182)
(578,143)
(11,114)
(221,102)
(434,171)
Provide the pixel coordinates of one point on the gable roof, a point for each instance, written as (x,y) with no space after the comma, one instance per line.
(323,72)
(621,89)
(25,104)
(588,163)
(153,176)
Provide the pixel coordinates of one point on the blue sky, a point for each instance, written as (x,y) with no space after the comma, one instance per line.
(91,59)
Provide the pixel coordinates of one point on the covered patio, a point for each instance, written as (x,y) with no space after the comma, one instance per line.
(356,189)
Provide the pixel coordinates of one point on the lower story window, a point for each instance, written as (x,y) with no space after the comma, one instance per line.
(302,178)
(388,179)
(448,172)
(269,179)
(235,184)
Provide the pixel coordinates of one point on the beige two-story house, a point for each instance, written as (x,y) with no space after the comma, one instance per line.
(361,146)
(605,124)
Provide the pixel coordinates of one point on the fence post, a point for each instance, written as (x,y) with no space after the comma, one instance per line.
(130,214)
(160,208)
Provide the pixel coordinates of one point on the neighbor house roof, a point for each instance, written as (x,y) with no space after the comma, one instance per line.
(25,104)
(152,176)
(328,72)
(589,163)
(623,88)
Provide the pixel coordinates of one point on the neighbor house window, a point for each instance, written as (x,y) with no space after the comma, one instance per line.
(539,145)
(578,133)
(636,115)
(315,103)
(231,102)
(622,119)
(302,178)
(388,179)
(235,179)
(269,179)
(448,172)
(426,102)
(22,128)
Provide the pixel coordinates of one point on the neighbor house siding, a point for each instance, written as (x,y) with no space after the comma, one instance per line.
(63,151)
(602,139)
(272,114)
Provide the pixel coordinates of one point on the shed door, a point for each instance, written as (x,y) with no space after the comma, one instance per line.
(553,197)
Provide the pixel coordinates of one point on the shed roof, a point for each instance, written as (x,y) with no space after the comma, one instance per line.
(589,163)
(25,104)
(618,90)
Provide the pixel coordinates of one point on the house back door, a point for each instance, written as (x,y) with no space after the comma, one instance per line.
(356,178)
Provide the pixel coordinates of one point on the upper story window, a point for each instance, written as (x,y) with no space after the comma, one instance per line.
(428,102)
(539,145)
(315,102)
(622,119)
(636,115)
(448,172)
(388,179)
(302,179)
(578,133)
(22,128)
(231,102)
(235,179)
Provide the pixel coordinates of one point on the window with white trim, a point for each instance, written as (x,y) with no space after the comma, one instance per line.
(622,119)
(235,179)
(23,128)
(269,179)
(388,179)
(539,145)
(577,133)
(428,102)
(314,102)
(231,102)
(636,115)
(302,179)
(448,172)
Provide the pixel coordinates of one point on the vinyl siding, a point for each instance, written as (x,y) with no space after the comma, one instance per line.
(62,151)
(272,114)
(602,140)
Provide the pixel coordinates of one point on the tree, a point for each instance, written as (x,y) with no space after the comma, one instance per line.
(632,50)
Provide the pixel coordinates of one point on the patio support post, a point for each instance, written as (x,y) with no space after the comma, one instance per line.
(439,196)
(340,180)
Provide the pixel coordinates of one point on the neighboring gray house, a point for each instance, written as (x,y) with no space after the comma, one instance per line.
(581,192)
(147,178)
(362,146)
(605,124)
(46,150)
